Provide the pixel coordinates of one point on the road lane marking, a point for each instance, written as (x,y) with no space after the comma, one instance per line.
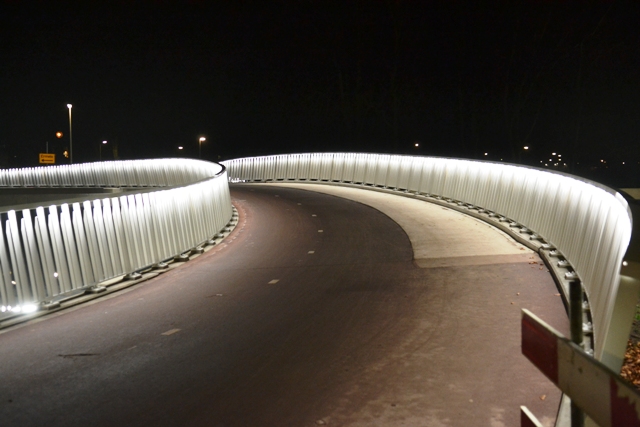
(71,356)
(311,252)
(320,231)
(170,332)
(314,215)
(273,282)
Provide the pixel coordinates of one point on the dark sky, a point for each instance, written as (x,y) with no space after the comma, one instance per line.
(460,78)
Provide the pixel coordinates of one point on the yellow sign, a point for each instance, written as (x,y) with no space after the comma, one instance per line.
(48,158)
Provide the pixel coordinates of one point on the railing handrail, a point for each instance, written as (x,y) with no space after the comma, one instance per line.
(118,173)
(54,251)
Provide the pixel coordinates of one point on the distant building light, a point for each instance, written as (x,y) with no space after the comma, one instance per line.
(526,147)
(486,154)
(553,154)
(180,147)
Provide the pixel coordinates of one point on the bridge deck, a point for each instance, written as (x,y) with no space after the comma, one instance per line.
(284,324)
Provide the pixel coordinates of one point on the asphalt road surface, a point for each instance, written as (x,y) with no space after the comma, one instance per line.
(312,312)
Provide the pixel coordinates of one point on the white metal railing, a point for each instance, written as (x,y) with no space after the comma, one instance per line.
(50,251)
(122,173)
(590,224)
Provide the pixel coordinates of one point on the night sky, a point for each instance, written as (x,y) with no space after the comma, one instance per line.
(459,78)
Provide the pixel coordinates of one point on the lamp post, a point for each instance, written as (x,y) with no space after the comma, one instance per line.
(103,143)
(200,141)
(524,155)
(70,137)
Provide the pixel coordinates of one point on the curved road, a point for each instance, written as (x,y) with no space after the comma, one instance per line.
(312,312)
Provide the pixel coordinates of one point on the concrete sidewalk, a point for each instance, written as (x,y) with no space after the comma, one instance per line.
(440,237)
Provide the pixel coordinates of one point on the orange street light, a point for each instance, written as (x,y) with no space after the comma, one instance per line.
(200,141)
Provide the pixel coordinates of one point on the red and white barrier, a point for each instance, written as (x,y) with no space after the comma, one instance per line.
(596,389)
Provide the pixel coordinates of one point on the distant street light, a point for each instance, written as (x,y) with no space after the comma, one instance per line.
(526,147)
(200,141)
(70,137)
(103,143)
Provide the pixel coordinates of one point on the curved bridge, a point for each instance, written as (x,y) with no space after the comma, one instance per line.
(581,228)
(155,210)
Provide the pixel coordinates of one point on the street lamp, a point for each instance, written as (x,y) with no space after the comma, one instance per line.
(70,137)
(103,143)
(200,141)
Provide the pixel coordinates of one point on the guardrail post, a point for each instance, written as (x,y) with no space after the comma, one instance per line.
(575,321)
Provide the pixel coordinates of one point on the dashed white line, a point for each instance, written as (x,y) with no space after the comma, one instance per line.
(311,252)
(320,231)
(273,282)
(170,332)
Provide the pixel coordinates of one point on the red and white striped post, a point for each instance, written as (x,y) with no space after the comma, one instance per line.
(597,390)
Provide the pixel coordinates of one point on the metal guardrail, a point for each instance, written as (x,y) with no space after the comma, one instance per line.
(60,249)
(587,225)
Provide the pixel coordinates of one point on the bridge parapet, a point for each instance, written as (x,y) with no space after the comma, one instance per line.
(122,173)
(49,252)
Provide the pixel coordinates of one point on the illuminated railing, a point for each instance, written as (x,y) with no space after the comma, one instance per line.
(46,252)
(124,173)
(587,225)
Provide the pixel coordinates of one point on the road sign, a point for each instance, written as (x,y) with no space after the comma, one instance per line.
(48,158)
(596,389)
